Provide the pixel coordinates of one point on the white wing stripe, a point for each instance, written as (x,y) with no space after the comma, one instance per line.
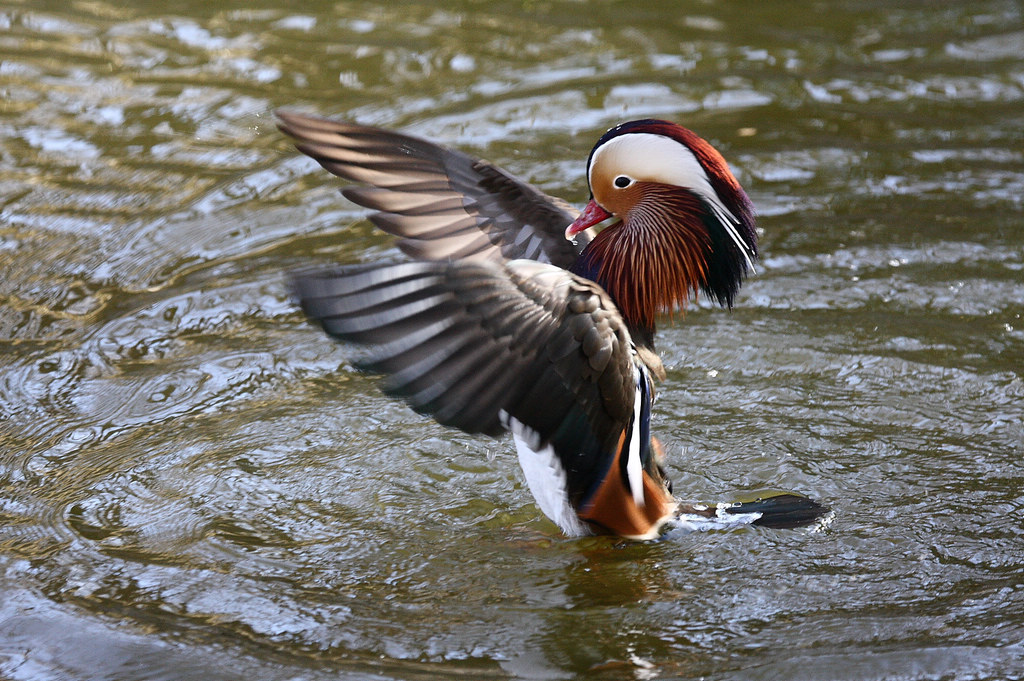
(634,468)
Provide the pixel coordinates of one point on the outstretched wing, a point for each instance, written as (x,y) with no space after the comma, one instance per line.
(445,205)
(474,343)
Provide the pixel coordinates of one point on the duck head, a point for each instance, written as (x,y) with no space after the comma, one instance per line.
(675,221)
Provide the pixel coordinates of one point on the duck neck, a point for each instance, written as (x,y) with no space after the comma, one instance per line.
(649,265)
(590,266)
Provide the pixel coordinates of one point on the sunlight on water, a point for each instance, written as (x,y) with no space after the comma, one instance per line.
(196,484)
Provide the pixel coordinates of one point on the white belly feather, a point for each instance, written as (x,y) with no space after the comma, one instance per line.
(546,479)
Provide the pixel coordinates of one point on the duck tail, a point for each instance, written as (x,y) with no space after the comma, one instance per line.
(781,510)
(770,508)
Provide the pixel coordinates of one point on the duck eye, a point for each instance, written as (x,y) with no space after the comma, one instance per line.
(622,181)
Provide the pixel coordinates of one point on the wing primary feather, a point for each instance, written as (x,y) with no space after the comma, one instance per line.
(402,202)
(427,227)
(395,321)
(454,248)
(508,218)
(464,341)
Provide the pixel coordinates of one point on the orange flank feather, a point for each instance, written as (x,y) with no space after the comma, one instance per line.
(612,510)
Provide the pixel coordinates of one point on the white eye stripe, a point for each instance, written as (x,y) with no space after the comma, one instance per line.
(645,156)
(655,158)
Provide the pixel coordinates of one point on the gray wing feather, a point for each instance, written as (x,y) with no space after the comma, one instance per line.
(465,341)
(443,204)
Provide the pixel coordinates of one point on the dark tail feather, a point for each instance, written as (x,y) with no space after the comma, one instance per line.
(783,510)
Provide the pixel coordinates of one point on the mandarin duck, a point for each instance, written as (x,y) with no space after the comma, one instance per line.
(521,314)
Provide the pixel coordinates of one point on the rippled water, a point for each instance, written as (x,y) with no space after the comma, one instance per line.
(195,484)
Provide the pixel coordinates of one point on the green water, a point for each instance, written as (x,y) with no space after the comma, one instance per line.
(194,484)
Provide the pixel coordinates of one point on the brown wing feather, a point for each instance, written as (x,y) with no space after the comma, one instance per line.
(464,341)
(442,203)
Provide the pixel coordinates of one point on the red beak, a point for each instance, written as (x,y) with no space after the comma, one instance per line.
(590,216)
